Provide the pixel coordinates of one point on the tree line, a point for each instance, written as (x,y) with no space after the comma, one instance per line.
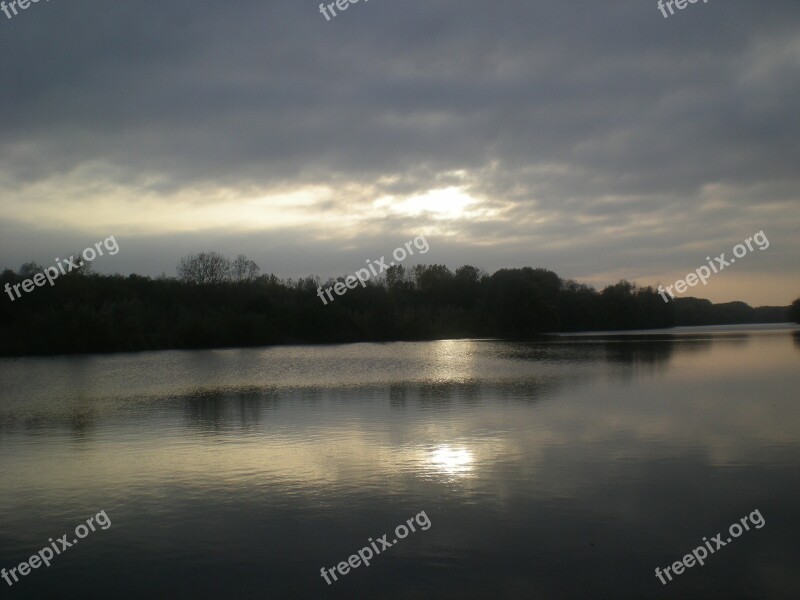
(217,302)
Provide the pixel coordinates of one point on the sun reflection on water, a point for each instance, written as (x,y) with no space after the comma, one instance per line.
(451,461)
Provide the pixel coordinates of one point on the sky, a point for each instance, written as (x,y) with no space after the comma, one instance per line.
(594,138)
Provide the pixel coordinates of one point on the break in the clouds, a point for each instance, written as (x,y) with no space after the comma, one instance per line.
(594,138)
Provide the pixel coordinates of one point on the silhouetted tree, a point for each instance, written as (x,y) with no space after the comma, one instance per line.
(82,267)
(244,269)
(794,311)
(396,277)
(29,269)
(204,268)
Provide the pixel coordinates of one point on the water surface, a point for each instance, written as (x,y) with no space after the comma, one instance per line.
(565,468)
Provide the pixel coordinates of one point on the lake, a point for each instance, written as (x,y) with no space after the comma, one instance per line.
(570,467)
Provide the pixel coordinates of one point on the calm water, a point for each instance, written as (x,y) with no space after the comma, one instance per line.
(569,468)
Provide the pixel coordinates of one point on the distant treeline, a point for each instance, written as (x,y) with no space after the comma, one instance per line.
(87,312)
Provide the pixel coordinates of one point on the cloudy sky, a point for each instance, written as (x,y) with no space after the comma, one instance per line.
(594,138)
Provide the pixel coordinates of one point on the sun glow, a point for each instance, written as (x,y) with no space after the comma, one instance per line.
(453,461)
(445,203)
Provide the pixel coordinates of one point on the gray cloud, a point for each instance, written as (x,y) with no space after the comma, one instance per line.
(573,120)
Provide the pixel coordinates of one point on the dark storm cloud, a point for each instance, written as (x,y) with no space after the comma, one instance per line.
(266,91)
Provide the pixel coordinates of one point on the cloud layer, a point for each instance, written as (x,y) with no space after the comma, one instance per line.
(597,139)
